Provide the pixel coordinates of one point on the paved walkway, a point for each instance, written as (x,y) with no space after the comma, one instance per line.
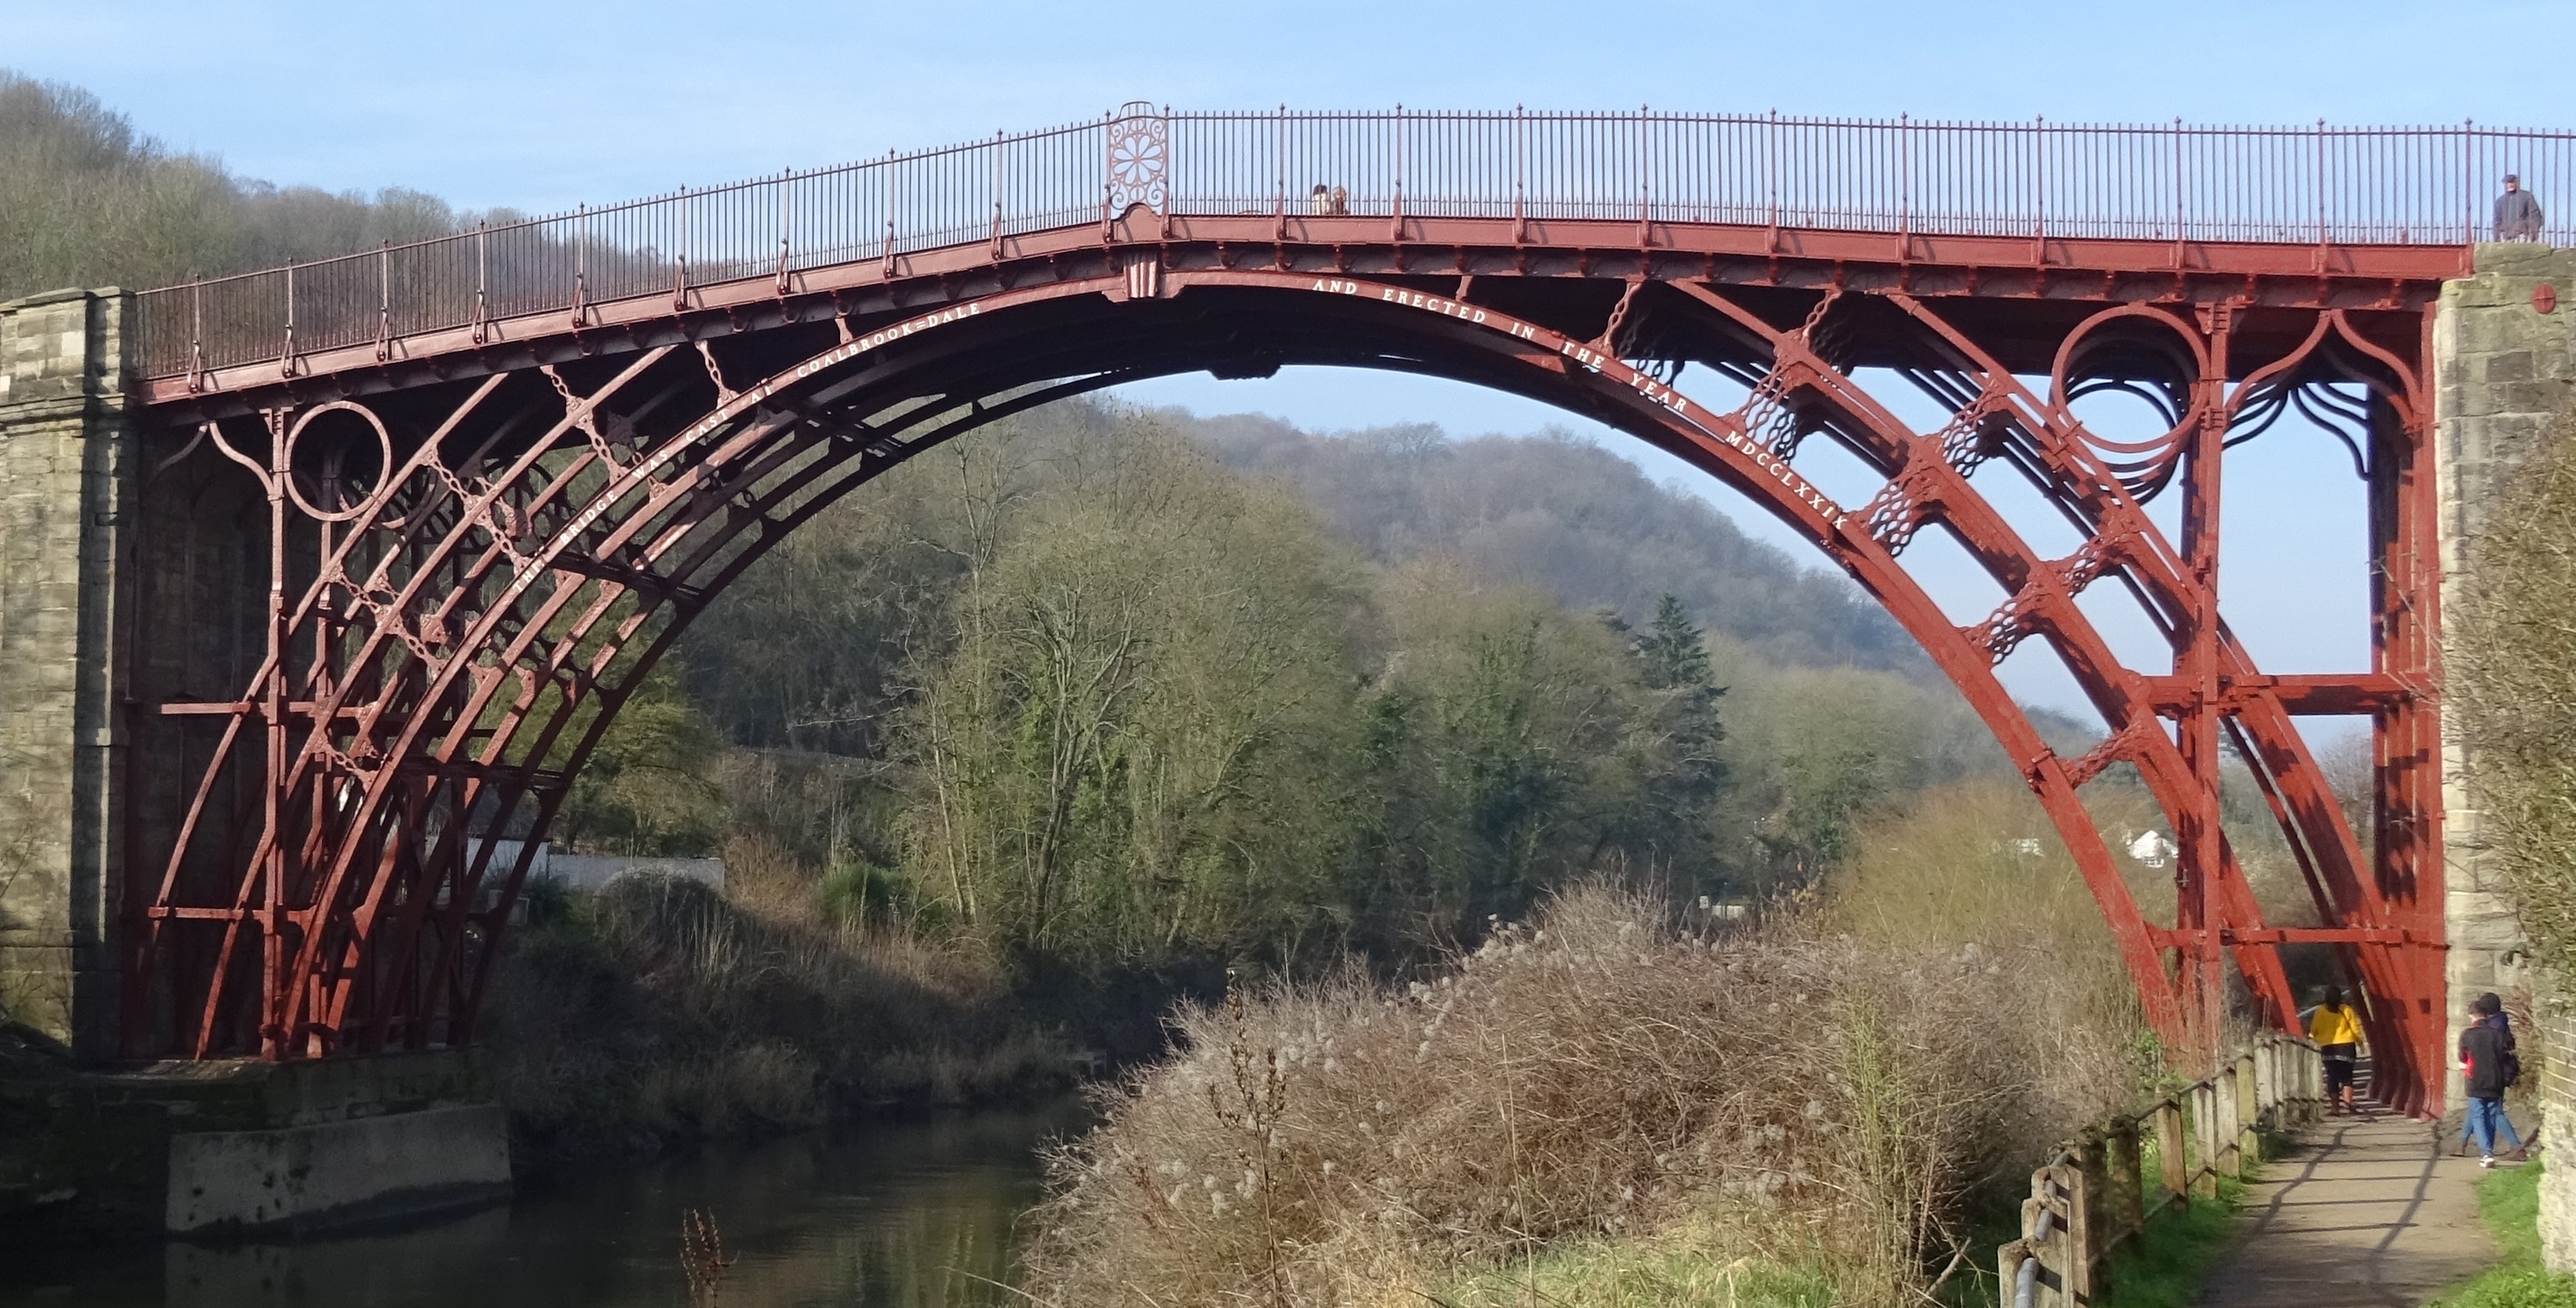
(2369,1213)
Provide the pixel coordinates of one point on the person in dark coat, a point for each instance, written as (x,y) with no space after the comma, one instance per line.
(2487,1065)
(2517,214)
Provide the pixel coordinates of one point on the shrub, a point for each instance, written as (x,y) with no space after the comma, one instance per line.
(1599,1073)
(2513,679)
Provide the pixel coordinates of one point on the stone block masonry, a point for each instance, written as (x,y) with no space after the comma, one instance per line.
(2503,372)
(66,480)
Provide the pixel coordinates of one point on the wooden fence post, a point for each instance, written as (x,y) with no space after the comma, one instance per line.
(2204,1137)
(2223,1133)
(2049,1290)
(2249,1115)
(2075,1181)
(2009,1256)
(2173,1157)
(2126,1196)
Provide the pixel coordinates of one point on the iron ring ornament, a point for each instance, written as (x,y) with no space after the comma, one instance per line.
(1140,140)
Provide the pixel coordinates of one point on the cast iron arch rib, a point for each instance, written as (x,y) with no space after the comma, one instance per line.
(467,637)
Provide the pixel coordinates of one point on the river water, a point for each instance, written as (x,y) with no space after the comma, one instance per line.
(913,1214)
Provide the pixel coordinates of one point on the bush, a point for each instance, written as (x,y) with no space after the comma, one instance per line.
(1805,1102)
(2513,679)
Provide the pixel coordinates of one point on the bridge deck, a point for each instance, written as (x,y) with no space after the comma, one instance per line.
(2371,1211)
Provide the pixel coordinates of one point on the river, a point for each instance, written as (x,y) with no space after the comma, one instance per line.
(914,1214)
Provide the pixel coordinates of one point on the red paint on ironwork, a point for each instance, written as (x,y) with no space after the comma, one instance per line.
(435,645)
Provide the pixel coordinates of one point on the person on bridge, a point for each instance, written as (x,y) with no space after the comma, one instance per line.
(1341,201)
(2517,214)
(2488,1064)
(2337,1031)
(1321,202)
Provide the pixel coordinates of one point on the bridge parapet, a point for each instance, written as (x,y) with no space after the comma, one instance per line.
(65,478)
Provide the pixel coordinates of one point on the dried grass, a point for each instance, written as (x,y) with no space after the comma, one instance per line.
(1600,1073)
(663,1009)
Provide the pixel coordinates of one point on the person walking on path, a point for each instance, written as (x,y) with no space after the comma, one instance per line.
(2488,1064)
(2337,1031)
(2517,214)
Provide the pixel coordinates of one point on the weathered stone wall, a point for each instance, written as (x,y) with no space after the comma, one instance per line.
(2503,371)
(66,478)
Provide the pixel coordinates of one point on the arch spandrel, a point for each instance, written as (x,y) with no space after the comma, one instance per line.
(535,546)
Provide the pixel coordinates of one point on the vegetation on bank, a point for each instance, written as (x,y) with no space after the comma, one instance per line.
(2509,1200)
(2513,679)
(2173,1258)
(659,1009)
(1613,1084)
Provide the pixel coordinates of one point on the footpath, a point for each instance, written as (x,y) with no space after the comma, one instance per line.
(2367,1212)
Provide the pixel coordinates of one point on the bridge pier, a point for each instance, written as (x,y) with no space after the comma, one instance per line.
(2503,373)
(67,475)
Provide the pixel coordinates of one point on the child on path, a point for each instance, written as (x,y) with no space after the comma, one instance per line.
(2488,1064)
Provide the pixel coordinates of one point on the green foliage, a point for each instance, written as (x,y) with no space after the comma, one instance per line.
(2513,679)
(1675,656)
(1641,1274)
(648,788)
(2166,1268)
(2509,1200)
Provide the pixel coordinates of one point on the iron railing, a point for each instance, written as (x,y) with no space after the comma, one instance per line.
(2288,185)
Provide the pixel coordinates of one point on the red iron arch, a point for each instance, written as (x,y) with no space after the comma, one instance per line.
(467,624)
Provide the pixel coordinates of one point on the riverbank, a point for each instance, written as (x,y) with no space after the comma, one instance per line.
(918,1213)
(659,1011)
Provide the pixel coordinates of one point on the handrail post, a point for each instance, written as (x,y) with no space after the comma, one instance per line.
(1771,177)
(2039,190)
(2468,181)
(2173,1151)
(2177,180)
(680,270)
(2204,1136)
(1520,151)
(286,351)
(2091,1209)
(196,334)
(1904,187)
(1645,185)
(2125,1199)
(885,257)
(2249,1135)
(1395,221)
(786,222)
(2226,1135)
(2009,1258)
(2321,194)
(1279,197)
(997,195)
(580,266)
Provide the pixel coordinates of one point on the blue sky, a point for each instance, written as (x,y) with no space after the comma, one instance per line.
(537,105)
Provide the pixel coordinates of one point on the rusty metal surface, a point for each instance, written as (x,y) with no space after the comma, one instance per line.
(454,551)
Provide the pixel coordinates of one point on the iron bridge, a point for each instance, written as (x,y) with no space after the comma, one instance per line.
(418,520)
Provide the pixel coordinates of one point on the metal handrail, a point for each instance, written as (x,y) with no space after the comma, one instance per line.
(2305,185)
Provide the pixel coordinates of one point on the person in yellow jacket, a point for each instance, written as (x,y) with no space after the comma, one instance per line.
(2337,1030)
